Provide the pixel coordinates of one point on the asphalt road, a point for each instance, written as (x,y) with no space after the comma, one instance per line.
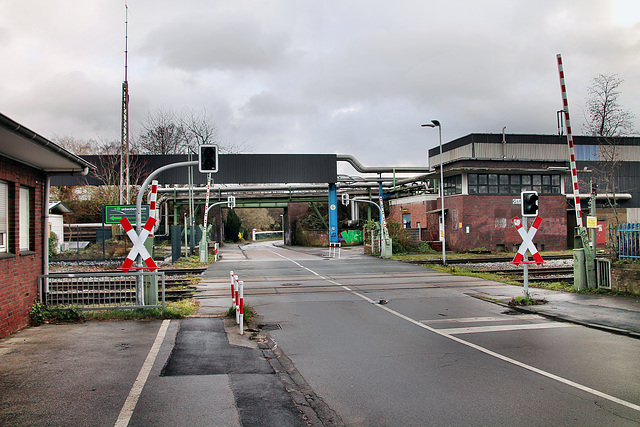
(386,344)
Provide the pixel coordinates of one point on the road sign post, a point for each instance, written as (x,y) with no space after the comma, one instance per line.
(527,245)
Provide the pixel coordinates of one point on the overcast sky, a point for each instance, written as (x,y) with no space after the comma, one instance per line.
(326,76)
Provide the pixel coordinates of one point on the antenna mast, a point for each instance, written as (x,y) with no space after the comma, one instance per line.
(124,136)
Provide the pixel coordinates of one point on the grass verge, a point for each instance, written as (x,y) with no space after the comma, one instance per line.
(173,310)
(248,311)
(458,271)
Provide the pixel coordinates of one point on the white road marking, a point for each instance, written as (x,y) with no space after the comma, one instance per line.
(483,319)
(132,400)
(501,328)
(480,348)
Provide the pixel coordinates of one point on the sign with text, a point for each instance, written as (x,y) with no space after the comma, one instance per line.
(114,213)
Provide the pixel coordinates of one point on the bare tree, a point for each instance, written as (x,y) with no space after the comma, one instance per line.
(608,121)
(75,145)
(606,117)
(198,129)
(161,133)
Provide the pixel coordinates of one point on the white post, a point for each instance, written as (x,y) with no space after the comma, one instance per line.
(525,259)
(241,284)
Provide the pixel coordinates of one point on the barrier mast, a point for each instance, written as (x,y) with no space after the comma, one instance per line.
(581,238)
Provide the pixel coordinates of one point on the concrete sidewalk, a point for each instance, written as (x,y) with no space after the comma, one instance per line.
(617,314)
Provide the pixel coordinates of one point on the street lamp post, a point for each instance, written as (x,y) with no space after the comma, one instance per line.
(433,124)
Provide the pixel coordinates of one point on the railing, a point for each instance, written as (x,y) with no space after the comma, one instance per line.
(266,235)
(100,291)
(628,241)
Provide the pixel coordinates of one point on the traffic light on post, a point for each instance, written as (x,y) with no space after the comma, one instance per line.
(208,158)
(530,203)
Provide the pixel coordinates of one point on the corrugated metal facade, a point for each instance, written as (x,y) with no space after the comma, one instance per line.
(591,154)
(232,169)
(533,147)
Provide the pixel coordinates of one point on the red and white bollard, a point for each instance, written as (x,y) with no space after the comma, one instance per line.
(334,249)
(232,285)
(241,323)
(236,300)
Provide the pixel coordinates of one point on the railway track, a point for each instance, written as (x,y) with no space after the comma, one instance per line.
(536,273)
(539,274)
(479,260)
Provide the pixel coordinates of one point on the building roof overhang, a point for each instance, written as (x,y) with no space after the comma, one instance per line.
(25,146)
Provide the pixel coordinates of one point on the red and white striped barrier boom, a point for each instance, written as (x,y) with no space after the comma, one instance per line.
(572,151)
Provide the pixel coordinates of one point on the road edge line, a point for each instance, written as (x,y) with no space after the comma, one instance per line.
(134,394)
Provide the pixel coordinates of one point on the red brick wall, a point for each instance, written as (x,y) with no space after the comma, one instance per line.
(488,218)
(418,211)
(19,270)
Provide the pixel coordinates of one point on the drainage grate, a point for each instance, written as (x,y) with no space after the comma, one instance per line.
(270,327)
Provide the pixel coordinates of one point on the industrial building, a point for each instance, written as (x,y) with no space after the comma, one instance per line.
(485,173)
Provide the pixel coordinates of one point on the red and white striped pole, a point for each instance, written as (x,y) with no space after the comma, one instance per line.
(237,299)
(572,151)
(232,287)
(241,285)
(152,201)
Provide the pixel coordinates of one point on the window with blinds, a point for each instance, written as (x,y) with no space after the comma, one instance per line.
(25,219)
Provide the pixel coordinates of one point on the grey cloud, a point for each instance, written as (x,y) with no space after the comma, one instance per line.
(203,45)
(274,104)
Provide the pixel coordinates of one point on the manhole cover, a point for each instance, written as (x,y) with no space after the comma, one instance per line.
(270,327)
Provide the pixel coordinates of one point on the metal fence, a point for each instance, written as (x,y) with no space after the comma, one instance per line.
(628,241)
(101,291)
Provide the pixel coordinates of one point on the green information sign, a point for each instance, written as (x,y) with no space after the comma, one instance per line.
(114,213)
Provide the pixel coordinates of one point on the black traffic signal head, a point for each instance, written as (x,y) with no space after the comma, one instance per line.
(530,203)
(208,158)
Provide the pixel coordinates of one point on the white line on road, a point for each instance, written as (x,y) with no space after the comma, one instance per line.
(480,348)
(483,319)
(501,328)
(132,400)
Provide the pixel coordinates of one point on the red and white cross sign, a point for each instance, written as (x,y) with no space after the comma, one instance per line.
(527,241)
(138,244)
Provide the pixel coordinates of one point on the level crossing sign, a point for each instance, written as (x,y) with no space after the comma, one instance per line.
(138,245)
(138,239)
(527,241)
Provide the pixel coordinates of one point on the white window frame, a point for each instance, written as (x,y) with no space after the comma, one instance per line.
(25,219)
(4,217)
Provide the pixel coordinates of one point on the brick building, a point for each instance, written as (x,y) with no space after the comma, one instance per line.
(485,173)
(27,160)
(481,199)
